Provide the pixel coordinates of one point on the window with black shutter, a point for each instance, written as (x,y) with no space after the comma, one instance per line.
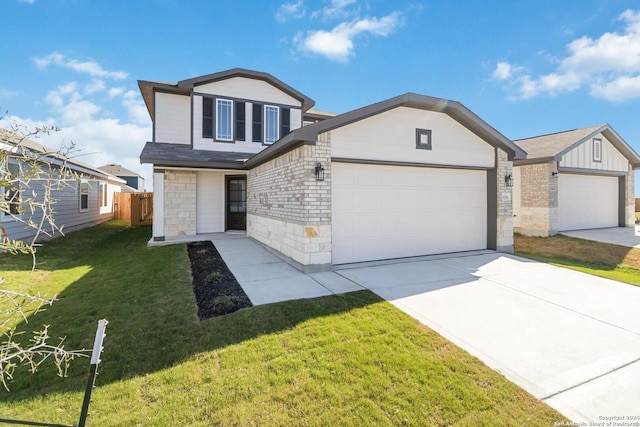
(257,123)
(285,127)
(207,117)
(240,120)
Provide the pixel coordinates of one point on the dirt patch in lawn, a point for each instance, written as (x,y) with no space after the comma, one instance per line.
(578,249)
(216,289)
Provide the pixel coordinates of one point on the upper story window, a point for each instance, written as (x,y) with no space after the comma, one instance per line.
(10,194)
(224,119)
(271,124)
(84,194)
(597,150)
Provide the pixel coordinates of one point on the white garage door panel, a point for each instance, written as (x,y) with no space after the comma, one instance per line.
(587,201)
(382,212)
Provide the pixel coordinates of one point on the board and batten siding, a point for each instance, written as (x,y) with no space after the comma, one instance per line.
(582,157)
(67,209)
(391,136)
(172,118)
(210,202)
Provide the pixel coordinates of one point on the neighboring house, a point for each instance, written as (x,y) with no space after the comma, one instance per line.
(412,175)
(133,181)
(578,179)
(82,201)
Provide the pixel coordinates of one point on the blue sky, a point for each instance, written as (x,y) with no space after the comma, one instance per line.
(525,67)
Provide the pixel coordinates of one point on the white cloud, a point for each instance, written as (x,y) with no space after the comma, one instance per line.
(115,91)
(290,11)
(106,124)
(609,66)
(337,10)
(95,85)
(87,67)
(337,44)
(27,1)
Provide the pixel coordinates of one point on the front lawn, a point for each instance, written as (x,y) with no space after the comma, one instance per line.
(339,360)
(601,259)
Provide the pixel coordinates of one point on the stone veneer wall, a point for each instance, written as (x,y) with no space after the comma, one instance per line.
(539,199)
(179,203)
(288,210)
(504,226)
(630,205)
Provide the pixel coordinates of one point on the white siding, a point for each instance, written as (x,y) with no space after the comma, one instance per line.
(210,202)
(382,212)
(582,157)
(243,88)
(587,201)
(391,136)
(172,118)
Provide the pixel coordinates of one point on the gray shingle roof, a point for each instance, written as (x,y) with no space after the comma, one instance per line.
(118,170)
(161,154)
(54,156)
(553,146)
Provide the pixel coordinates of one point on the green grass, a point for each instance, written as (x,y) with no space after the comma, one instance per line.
(339,360)
(599,259)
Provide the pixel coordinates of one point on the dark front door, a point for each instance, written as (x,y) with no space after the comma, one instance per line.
(236,203)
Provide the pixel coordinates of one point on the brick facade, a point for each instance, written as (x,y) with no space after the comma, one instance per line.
(288,210)
(179,203)
(539,199)
(504,219)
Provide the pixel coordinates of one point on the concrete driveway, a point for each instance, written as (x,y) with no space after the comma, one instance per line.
(570,339)
(623,236)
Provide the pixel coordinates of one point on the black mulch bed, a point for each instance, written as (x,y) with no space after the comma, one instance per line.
(216,290)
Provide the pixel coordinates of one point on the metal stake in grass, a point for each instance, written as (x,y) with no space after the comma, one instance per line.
(95,360)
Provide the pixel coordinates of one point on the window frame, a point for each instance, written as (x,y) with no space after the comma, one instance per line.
(13,216)
(83,195)
(421,135)
(230,122)
(597,150)
(273,125)
(103,191)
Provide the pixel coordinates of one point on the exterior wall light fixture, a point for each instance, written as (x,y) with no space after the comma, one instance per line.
(508,180)
(319,172)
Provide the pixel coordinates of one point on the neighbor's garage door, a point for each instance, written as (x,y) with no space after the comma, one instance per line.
(382,212)
(587,201)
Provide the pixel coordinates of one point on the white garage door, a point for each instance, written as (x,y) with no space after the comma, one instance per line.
(587,201)
(382,212)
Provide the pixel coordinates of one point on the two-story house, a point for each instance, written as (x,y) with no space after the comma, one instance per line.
(408,176)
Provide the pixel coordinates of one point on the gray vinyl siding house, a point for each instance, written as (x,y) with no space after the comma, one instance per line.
(82,201)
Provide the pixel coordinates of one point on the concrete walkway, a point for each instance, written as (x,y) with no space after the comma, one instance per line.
(267,279)
(568,338)
(623,236)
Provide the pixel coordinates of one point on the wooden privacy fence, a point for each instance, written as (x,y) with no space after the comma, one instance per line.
(134,207)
